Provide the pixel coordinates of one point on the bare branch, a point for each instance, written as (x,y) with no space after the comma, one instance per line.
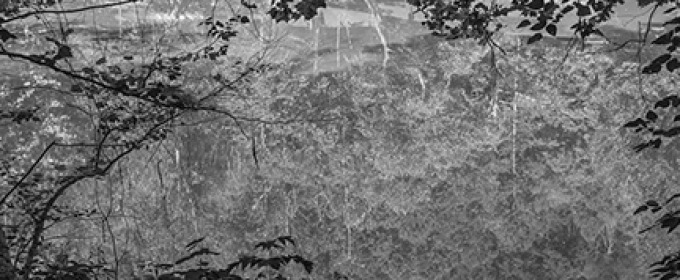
(70,11)
(28,172)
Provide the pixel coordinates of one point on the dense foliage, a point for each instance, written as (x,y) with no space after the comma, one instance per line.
(446,160)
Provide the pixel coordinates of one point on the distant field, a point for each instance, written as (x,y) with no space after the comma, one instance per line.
(344,38)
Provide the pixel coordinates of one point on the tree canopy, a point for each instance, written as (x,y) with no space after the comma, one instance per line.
(183,140)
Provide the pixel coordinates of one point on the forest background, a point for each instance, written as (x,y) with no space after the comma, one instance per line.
(130,129)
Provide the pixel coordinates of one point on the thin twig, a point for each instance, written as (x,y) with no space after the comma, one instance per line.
(28,172)
(71,11)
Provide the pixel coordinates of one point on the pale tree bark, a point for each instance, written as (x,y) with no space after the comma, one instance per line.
(376,24)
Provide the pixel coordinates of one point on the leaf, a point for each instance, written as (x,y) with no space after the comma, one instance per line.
(100,61)
(643,3)
(536,4)
(248,5)
(661,59)
(663,103)
(5,35)
(669,276)
(307,264)
(675,20)
(535,38)
(651,115)
(672,65)
(675,131)
(268,245)
(63,52)
(582,10)
(676,118)
(652,69)
(551,29)
(539,25)
(641,209)
(671,223)
(567,9)
(660,270)
(128,57)
(524,23)
(652,203)
(666,38)
(286,238)
(635,123)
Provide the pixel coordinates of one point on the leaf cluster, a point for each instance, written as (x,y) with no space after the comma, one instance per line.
(264,267)
(653,126)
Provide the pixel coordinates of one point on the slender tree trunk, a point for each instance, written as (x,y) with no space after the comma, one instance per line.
(376,24)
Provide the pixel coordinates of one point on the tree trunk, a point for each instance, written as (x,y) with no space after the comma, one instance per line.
(376,24)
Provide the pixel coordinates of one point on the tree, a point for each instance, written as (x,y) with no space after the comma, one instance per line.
(77,110)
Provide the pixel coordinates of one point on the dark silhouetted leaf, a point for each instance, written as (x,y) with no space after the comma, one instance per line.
(652,203)
(100,61)
(641,209)
(672,65)
(536,4)
(268,245)
(651,116)
(663,103)
(635,123)
(661,59)
(286,238)
(5,35)
(675,20)
(664,39)
(63,52)
(551,29)
(670,276)
(567,9)
(582,10)
(663,269)
(676,118)
(535,38)
(644,3)
(652,69)
(524,23)
(539,25)
(675,131)
(671,223)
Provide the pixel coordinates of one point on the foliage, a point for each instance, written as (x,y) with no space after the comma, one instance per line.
(447,162)
(273,265)
(78,112)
